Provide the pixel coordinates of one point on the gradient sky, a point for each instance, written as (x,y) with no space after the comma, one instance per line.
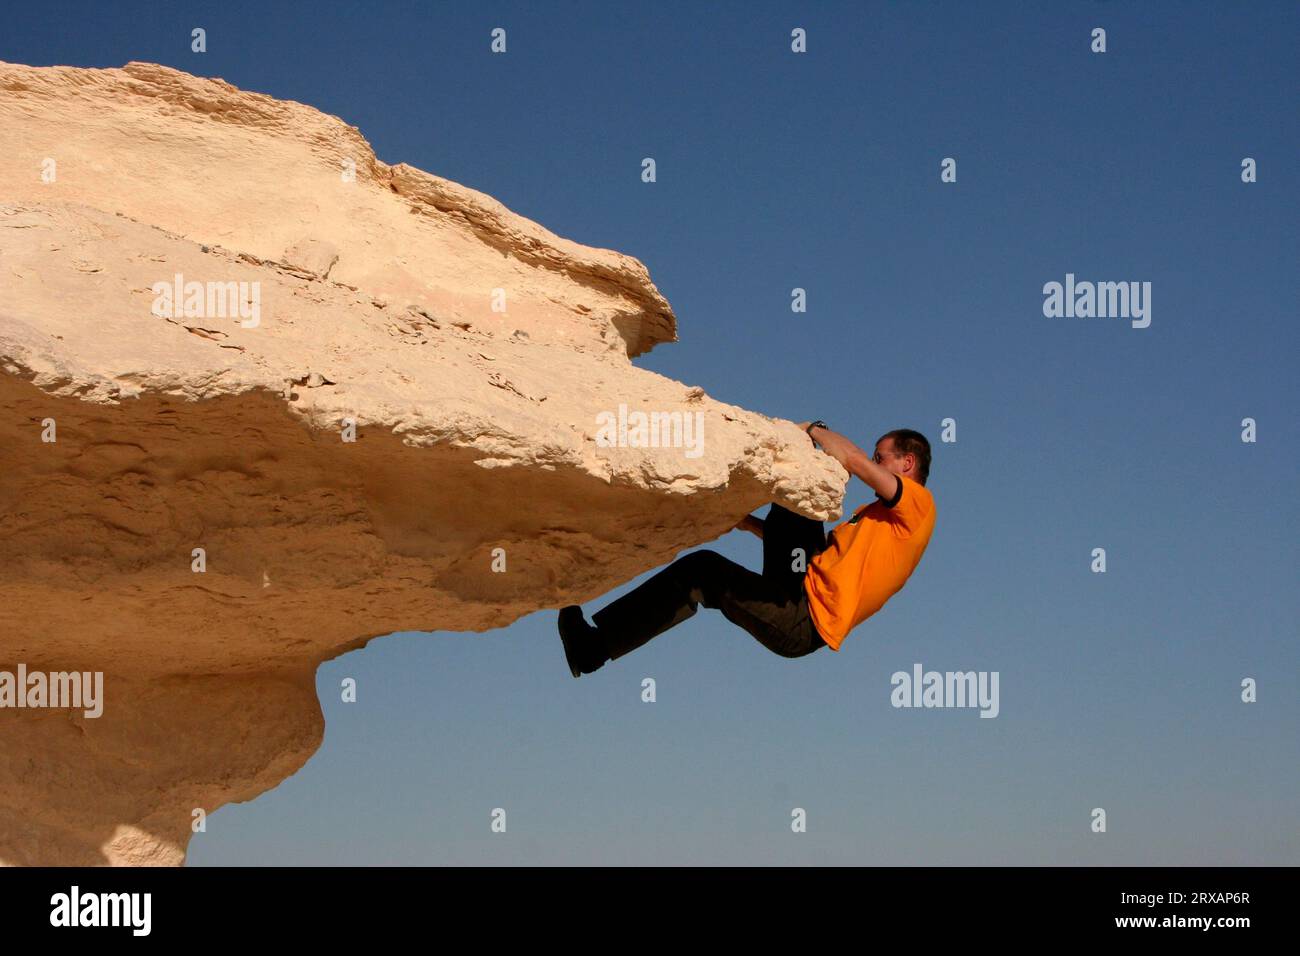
(775,170)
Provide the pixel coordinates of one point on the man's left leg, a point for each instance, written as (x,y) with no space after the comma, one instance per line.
(762,606)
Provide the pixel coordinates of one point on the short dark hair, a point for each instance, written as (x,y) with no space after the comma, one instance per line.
(909,442)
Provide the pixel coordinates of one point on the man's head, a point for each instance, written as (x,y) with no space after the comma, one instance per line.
(904,452)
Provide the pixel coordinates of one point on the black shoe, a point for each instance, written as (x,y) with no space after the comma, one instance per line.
(579,637)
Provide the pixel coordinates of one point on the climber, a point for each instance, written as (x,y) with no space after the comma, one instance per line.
(811,593)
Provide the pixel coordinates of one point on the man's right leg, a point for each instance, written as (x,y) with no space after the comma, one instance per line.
(784,533)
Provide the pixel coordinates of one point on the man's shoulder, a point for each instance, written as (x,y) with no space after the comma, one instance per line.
(920,495)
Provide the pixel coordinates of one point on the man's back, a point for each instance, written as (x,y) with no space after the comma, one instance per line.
(868,560)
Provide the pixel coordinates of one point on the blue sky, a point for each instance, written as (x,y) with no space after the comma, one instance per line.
(821,171)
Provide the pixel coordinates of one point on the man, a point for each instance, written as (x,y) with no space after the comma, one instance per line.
(790,610)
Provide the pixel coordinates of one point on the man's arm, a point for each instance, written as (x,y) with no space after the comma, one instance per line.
(856,461)
(751,524)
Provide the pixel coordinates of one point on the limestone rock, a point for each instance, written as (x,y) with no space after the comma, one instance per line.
(337,297)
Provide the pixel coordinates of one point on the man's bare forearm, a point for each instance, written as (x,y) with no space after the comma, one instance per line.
(752,525)
(854,460)
(840,448)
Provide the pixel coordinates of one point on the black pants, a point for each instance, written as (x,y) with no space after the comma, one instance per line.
(772,606)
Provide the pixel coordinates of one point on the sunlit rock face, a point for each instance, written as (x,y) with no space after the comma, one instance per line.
(264,398)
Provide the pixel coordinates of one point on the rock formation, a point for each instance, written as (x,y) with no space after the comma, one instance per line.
(264,398)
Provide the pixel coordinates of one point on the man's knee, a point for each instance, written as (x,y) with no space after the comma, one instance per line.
(701,562)
(703,573)
(778,514)
(791,523)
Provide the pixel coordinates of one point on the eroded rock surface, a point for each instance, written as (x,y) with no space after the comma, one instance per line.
(373,315)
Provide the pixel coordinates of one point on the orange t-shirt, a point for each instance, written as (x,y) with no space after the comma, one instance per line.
(865,564)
